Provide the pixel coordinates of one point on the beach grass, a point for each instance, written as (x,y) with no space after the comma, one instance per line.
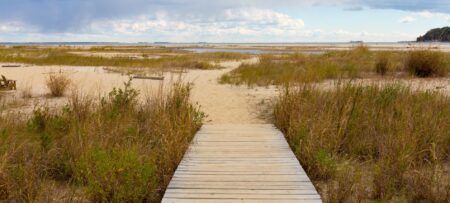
(118,149)
(359,143)
(359,62)
(64,56)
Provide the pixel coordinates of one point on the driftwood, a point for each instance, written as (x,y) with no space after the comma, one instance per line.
(148,77)
(11,66)
(7,84)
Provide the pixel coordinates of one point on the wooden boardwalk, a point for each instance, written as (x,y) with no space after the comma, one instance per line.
(240,163)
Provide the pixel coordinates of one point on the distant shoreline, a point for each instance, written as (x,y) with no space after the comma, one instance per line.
(271,47)
(213,43)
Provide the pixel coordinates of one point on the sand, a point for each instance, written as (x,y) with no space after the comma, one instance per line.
(228,104)
(224,104)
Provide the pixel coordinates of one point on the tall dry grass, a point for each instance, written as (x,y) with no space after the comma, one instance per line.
(370,143)
(27,91)
(382,65)
(115,150)
(2,103)
(57,83)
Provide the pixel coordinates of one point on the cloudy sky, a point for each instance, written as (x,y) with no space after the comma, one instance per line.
(219,20)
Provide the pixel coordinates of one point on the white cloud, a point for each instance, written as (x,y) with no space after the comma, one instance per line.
(247,22)
(407,19)
(229,25)
(423,15)
(10,27)
(263,17)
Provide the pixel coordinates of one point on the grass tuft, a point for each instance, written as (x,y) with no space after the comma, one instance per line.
(382,65)
(57,83)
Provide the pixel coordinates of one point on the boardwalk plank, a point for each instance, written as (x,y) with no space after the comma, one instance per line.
(240,163)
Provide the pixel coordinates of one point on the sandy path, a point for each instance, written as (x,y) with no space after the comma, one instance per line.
(228,104)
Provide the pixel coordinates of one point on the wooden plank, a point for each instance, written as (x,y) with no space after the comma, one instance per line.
(248,200)
(240,163)
(223,191)
(267,195)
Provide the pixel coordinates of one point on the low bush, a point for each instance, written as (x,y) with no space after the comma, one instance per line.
(426,63)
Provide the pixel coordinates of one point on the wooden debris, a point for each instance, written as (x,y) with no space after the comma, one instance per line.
(11,66)
(148,77)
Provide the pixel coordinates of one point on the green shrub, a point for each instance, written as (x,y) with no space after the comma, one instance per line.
(115,175)
(121,99)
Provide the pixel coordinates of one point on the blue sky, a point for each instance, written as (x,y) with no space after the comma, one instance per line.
(220,20)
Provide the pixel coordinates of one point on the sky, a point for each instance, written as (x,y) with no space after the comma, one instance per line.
(219,20)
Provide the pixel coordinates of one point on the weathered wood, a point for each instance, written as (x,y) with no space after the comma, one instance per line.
(248,200)
(11,66)
(148,77)
(7,84)
(240,163)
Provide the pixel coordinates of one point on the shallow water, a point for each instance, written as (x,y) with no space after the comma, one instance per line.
(208,50)
(246,51)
